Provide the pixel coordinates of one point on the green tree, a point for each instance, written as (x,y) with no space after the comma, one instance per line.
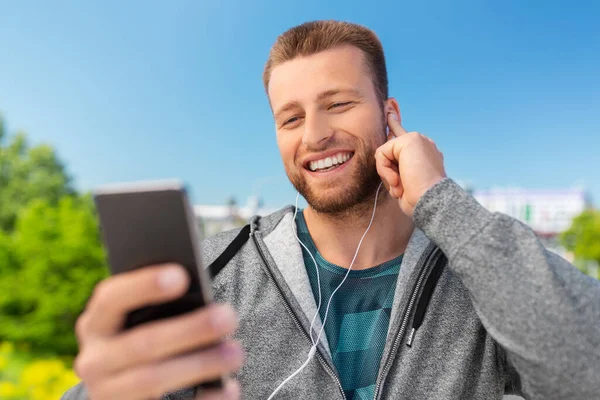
(51,254)
(27,173)
(49,266)
(583,237)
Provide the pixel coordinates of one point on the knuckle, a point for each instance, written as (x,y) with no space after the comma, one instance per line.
(100,296)
(79,367)
(85,367)
(81,326)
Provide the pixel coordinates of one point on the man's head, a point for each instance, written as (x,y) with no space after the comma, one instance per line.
(328,89)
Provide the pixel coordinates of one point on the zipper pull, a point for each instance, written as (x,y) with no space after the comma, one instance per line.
(410,337)
(426,295)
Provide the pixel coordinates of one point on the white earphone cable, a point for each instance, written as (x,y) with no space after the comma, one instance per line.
(294,228)
(315,343)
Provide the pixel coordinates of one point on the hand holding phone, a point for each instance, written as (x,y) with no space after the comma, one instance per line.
(151,328)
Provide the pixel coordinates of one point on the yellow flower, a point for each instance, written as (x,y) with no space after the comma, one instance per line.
(47,379)
(7,390)
(3,362)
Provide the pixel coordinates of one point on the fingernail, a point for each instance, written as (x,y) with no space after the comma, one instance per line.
(171,278)
(222,317)
(232,352)
(232,390)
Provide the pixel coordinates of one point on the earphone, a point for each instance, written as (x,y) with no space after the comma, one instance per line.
(313,348)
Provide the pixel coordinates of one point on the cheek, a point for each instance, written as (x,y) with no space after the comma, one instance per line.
(287,147)
(360,119)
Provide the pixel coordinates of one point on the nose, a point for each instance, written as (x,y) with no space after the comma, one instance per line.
(316,131)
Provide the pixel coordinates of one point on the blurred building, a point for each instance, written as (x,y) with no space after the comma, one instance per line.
(213,219)
(547,212)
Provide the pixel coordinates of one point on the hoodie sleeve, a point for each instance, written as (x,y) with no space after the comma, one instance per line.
(77,392)
(539,308)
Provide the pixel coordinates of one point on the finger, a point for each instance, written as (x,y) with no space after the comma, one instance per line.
(389,153)
(154,380)
(395,126)
(231,391)
(390,135)
(163,339)
(397,191)
(391,150)
(116,296)
(387,170)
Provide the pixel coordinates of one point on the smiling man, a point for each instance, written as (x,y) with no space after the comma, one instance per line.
(392,283)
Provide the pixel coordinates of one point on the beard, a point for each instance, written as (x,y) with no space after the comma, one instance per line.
(351,194)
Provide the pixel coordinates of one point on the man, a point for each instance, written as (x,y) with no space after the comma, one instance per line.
(444,300)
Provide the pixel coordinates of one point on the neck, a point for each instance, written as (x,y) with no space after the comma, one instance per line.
(337,236)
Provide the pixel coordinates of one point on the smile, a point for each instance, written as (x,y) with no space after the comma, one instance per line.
(329,163)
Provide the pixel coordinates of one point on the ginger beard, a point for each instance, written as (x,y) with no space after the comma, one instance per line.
(350,193)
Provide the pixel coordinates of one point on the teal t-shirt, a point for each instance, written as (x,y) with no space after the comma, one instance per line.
(358,318)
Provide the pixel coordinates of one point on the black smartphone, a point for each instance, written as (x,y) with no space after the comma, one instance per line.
(149,223)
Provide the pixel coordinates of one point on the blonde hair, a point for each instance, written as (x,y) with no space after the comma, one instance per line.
(316,36)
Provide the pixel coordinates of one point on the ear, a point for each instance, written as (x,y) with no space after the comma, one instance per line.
(391,106)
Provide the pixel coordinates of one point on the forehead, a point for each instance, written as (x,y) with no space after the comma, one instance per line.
(303,78)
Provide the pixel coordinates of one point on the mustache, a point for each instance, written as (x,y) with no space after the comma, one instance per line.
(332,145)
(328,145)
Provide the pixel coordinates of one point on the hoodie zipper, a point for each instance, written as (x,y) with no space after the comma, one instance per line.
(295,318)
(407,314)
(425,297)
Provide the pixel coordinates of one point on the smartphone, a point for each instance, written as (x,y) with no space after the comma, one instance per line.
(148,223)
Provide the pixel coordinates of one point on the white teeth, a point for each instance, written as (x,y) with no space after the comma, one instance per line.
(327,162)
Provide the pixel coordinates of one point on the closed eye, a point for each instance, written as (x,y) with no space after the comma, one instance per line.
(290,121)
(338,105)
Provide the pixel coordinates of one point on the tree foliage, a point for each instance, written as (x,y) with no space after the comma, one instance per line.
(51,254)
(583,237)
(28,173)
(56,259)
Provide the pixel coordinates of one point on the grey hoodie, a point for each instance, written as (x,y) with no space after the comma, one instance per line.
(506,315)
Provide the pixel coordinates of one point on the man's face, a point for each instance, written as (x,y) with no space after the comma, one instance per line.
(329,123)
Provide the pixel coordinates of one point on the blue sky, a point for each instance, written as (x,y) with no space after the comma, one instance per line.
(146,89)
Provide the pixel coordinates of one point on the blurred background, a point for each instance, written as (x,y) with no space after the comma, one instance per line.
(99,92)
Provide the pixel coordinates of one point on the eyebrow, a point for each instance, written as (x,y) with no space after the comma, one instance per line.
(333,92)
(287,107)
(323,95)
